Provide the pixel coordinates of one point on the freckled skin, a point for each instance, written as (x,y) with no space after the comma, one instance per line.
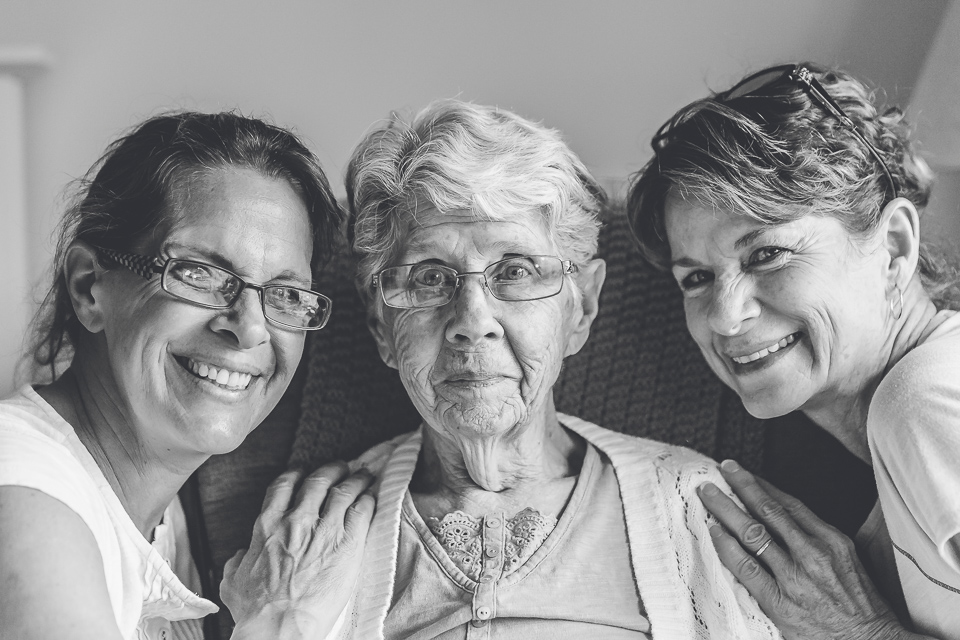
(481,370)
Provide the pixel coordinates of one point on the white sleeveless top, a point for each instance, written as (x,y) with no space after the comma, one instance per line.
(40,450)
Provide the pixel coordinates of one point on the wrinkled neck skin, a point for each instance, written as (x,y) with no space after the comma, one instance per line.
(535,464)
(846,416)
(144,483)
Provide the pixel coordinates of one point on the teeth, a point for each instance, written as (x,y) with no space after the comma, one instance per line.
(225,377)
(763,353)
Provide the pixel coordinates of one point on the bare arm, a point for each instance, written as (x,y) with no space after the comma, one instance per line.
(52,582)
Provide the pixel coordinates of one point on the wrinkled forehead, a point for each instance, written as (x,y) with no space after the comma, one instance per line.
(428,225)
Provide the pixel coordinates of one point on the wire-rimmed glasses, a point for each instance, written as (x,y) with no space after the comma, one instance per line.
(427,284)
(213,287)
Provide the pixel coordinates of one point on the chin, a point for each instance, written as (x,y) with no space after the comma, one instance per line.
(476,421)
(769,405)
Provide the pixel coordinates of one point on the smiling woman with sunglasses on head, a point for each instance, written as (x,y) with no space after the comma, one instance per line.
(788,210)
(177,317)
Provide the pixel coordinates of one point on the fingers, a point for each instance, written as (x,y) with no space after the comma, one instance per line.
(752,535)
(763,506)
(315,488)
(231,565)
(802,515)
(745,568)
(280,492)
(345,495)
(359,516)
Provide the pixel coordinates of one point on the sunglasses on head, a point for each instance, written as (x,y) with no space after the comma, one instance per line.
(802,76)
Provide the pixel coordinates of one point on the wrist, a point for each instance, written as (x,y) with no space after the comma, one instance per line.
(275,622)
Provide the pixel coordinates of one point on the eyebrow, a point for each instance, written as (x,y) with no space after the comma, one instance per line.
(220,260)
(505,247)
(744,241)
(748,238)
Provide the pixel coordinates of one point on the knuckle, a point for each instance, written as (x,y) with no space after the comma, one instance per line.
(771,510)
(342,492)
(749,569)
(286,479)
(753,533)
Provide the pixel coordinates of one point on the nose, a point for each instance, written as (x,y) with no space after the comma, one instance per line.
(732,306)
(473,319)
(244,321)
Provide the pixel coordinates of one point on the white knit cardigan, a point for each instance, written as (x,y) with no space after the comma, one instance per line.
(685,590)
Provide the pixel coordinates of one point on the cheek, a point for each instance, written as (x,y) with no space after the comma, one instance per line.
(288,350)
(538,340)
(695,312)
(416,340)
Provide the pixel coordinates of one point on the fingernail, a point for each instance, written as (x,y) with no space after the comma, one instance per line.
(715,531)
(709,489)
(730,466)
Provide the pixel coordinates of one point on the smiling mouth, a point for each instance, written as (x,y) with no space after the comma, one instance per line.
(220,376)
(783,343)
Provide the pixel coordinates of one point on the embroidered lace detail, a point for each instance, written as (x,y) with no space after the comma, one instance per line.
(462,537)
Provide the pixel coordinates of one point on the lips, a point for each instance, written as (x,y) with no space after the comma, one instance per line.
(767,350)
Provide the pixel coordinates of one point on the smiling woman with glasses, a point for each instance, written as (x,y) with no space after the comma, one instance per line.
(788,208)
(153,375)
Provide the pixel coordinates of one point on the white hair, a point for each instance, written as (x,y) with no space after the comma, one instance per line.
(458,155)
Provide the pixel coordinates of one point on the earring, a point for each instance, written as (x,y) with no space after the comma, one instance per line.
(897,310)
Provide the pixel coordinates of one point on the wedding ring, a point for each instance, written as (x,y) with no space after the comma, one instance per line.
(762,548)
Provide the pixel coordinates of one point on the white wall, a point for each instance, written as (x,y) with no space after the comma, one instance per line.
(606,73)
(935,108)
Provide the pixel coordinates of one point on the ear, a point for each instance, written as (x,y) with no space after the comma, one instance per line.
(383,337)
(82,272)
(900,226)
(590,278)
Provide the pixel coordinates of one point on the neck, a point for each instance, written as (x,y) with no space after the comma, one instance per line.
(529,454)
(144,483)
(845,414)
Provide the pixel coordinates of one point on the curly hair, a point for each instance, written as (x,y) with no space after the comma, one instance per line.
(127,199)
(774,155)
(459,155)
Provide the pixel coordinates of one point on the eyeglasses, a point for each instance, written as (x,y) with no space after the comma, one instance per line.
(215,288)
(804,77)
(424,285)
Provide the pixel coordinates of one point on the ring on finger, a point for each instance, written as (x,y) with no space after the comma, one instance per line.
(762,548)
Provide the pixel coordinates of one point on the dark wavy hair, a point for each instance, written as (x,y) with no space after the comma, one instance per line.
(775,155)
(125,200)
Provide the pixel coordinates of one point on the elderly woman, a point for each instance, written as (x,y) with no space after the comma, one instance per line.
(180,302)
(476,232)
(788,209)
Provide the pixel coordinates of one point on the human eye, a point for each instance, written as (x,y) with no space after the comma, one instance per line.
(766,256)
(694,281)
(428,276)
(515,270)
(195,275)
(284,297)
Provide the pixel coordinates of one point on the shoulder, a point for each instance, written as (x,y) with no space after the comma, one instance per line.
(924,386)
(375,458)
(631,452)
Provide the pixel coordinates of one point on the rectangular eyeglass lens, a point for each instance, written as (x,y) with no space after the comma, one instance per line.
(296,307)
(200,283)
